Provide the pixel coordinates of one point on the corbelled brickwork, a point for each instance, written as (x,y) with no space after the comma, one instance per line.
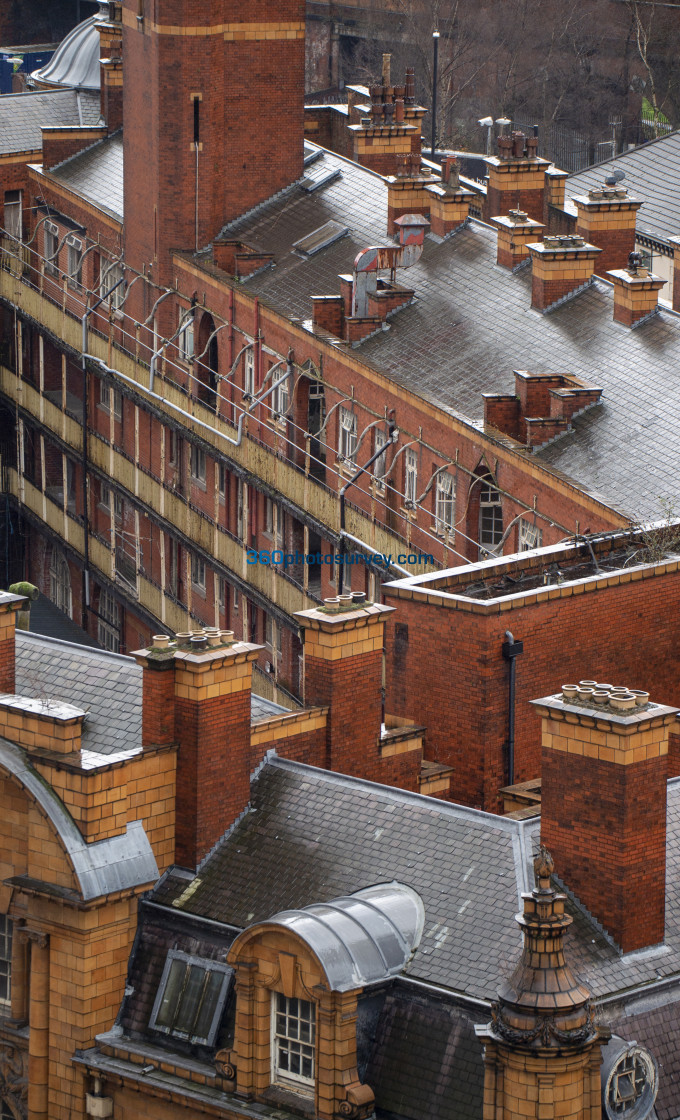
(606,218)
(559,266)
(636,294)
(212,720)
(515,231)
(603,811)
(516,184)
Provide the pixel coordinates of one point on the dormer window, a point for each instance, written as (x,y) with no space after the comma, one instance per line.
(190,998)
(293,1043)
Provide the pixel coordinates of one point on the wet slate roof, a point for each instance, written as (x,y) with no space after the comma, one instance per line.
(108,686)
(655,1024)
(426,1060)
(312,835)
(472,324)
(22,116)
(652,174)
(97,174)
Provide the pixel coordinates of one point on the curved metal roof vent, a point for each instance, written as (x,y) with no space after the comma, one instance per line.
(362,938)
(75,63)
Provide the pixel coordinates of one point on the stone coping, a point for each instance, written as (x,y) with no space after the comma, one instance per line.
(447,588)
(625,722)
(318,619)
(52,710)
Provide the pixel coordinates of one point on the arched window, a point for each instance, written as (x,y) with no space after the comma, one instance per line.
(490,514)
(207,362)
(60,582)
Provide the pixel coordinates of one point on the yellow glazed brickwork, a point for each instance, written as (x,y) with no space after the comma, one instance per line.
(282,727)
(593,737)
(367,146)
(268,960)
(562,268)
(229,31)
(519,1086)
(222,673)
(104,801)
(38,730)
(508,177)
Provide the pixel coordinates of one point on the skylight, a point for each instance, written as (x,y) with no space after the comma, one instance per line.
(320,238)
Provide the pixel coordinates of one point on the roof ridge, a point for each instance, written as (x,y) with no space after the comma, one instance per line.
(31,636)
(393,793)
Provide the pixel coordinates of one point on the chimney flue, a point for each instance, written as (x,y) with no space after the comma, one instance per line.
(603,806)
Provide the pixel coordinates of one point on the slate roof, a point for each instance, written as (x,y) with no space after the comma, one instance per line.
(97,174)
(472,324)
(312,835)
(655,1024)
(426,1060)
(108,686)
(652,174)
(23,114)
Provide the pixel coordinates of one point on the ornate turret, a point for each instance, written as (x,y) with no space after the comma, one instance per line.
(542,1028)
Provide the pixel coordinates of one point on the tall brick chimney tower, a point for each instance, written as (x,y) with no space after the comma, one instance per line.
(213,117)
(603,805)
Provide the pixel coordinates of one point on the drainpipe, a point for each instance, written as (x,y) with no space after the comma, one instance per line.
(391,430)
(85,455)
(511,650)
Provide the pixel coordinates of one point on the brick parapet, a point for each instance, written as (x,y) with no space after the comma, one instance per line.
(463,701)
(41,724)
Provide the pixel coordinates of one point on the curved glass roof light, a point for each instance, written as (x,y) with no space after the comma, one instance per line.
(75,63)
(362,938)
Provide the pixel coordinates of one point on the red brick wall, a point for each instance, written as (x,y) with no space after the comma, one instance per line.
(158,703)
(616,244)
(351,687)
(213,773)
(251,121)
(605,826)
(309,747)
(448,672)
(546,292)
(7,665)
(499,202)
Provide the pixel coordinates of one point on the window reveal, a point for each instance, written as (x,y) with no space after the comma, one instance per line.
(293,1041)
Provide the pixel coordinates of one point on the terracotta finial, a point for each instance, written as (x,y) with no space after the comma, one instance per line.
(543,869)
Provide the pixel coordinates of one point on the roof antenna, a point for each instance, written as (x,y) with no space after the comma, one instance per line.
(614,178)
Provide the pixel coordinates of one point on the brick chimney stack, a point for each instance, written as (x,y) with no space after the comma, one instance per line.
(606,218)
(603,805)
(515,232)
(9,605)
(636,292)
(517,177)
(343,655)
(560,267)
(206,679)
(111,63)
(222,85)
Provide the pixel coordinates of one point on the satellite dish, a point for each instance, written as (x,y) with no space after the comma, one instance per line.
(614,178)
